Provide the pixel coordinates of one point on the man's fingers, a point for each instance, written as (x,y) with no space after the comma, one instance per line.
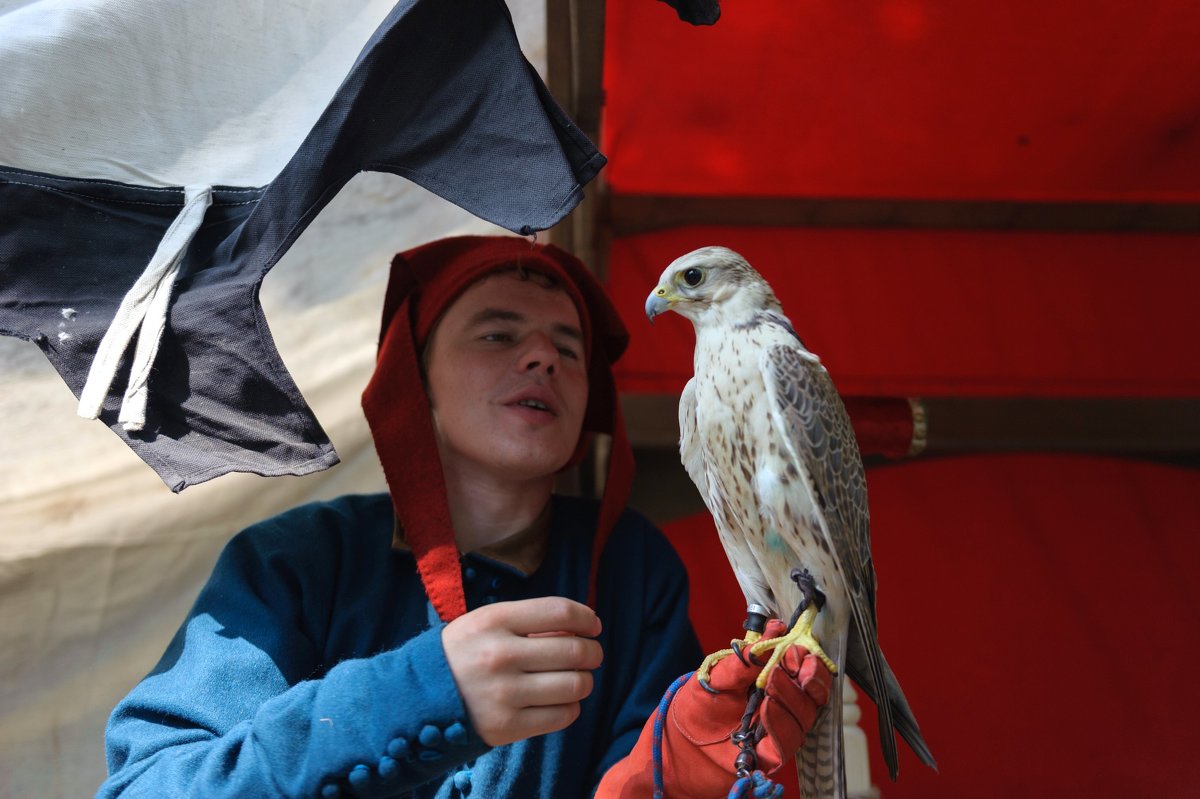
(791,695)
(541,720)
(558,653)
(774,629)
(816,679)
(731,674)
(549,614)
(523,667)
(552,688)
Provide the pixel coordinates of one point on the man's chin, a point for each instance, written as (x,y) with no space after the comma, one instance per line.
(534,467)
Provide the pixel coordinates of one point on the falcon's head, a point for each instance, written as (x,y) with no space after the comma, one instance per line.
(712,285)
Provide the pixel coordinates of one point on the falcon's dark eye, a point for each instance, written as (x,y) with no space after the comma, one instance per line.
(693,276)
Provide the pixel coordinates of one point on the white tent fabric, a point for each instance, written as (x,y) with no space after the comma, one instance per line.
(241,105)
(99,561)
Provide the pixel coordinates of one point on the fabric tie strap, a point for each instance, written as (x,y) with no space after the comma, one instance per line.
(144,309)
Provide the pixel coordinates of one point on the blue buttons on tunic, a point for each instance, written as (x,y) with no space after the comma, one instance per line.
(330,791)
(430,736)
(360,777)
(462,780)
(430,740)
(456,734)
(469,573)
(398,748)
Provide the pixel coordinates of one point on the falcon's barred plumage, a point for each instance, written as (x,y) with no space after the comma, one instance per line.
(766,439)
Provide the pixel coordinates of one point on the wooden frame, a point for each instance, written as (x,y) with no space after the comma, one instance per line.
(1167,428)
(634,214)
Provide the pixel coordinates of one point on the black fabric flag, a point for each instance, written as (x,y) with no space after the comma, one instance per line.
(168,275)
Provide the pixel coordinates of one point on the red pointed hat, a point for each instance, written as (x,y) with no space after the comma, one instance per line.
(423,283)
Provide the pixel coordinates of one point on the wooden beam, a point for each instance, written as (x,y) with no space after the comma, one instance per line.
(1160,429)
(633,214)
(1137,427)
(661,488)
(958,425)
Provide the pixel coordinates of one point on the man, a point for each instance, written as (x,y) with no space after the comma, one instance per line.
(446,639)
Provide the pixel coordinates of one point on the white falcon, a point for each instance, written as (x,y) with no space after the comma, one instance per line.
(766,439)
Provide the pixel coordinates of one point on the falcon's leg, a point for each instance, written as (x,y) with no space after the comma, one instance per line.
(756,619)
(800,629)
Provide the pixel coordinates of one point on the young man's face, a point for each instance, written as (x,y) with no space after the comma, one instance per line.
(507,379)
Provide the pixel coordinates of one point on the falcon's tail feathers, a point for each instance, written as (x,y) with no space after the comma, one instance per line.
(866,666)
(897,712)
(903,718)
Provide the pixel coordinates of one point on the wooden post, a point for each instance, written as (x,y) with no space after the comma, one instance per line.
(574,74)
(854,743)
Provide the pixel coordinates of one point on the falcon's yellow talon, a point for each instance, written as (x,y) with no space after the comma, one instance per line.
(710,661)
(801,633)
(744,644)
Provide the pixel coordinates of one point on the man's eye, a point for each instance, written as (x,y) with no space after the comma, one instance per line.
(567,352)
(497,337)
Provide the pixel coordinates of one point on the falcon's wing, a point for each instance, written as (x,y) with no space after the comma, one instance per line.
(690,451)
(812,423)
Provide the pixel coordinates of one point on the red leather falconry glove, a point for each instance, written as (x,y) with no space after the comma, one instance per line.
(697,753)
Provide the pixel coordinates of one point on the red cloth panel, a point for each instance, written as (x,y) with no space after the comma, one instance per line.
(1040,612)
(901,98)
(882,425)
(958,313)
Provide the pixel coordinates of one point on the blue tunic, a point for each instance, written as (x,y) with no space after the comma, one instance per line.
(312,665)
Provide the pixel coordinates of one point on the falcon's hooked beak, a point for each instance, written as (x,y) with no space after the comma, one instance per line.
(660,300)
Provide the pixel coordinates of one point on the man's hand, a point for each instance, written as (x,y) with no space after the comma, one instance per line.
(523,667)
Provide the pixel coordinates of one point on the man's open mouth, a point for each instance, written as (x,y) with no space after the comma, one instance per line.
(535,404)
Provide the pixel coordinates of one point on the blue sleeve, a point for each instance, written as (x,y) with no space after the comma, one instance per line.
(646,590)
(240,705)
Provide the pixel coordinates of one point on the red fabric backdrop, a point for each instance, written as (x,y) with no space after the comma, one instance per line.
(1040,610)
(906,98)
(947,313)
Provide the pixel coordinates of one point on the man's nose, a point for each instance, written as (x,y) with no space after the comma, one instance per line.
(540,353)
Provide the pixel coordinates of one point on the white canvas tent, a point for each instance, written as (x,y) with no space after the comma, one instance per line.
(99,561)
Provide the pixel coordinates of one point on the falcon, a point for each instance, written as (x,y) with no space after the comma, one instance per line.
(768,443)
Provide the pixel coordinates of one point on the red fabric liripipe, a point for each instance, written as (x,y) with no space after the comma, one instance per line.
(424,282)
